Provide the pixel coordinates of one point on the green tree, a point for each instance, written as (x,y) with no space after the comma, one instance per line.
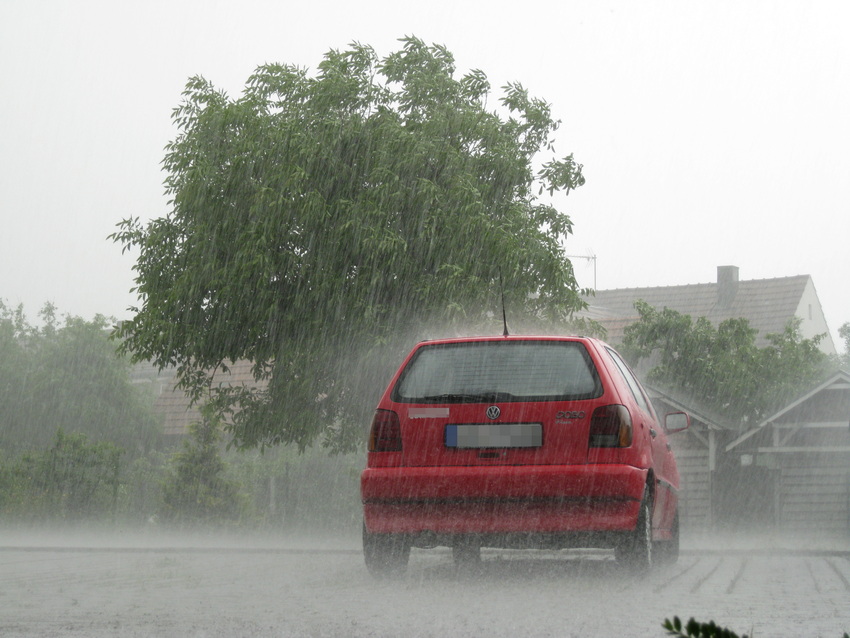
(316,216)
(67,375)
(844,333)
(197,489)
(722,367)
(15,365)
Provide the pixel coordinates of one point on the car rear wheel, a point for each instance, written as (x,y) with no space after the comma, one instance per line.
(635,552)
(466,553)
(386,555)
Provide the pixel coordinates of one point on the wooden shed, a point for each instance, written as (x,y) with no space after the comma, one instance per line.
(790,473)
(804,449)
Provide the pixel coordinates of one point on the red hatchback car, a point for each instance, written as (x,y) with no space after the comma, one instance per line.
(520,442)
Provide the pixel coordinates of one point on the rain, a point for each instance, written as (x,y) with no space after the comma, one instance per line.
(226,226)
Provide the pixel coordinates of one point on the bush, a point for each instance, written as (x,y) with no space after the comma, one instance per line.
(197,490)
(72,480)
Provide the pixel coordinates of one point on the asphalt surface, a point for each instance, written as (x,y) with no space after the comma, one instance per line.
(303,587)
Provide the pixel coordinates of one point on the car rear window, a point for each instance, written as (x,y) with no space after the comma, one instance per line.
(485,371)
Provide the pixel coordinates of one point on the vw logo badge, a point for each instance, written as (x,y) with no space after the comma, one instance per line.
(493,412)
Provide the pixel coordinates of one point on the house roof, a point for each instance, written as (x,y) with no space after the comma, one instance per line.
(767,304)
(174,405)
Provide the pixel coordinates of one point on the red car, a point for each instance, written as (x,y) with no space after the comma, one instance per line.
(520,442)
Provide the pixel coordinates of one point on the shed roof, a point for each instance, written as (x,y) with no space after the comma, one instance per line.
(689,405)
(828,402)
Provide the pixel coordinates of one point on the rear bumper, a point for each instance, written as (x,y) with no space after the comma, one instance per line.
(502,499)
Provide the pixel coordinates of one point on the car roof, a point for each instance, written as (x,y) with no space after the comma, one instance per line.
(484,338)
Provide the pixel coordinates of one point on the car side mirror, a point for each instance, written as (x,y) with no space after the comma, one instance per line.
(677,422)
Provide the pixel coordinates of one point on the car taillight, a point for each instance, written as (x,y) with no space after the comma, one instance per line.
(385,435)
(611,426)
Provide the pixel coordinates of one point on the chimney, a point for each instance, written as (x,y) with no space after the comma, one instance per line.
(727,285)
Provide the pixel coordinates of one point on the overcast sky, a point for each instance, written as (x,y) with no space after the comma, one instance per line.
(711,133)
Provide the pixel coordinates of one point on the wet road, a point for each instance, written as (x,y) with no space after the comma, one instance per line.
(325,591)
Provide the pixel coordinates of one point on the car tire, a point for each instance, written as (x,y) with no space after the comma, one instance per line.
(667,552)
(466,553)
(635,552)
(386,555)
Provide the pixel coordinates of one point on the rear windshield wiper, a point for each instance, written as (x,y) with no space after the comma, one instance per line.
(478,397)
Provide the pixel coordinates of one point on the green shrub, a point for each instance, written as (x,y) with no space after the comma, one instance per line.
(196,489)
(72,480)
(694,629)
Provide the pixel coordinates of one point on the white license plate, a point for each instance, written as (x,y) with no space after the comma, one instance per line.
(494,435)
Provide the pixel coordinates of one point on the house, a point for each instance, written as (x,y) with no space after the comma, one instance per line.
(790,472)
(768,304)
(173,405)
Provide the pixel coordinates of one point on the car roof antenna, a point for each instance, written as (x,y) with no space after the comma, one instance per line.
(504,315)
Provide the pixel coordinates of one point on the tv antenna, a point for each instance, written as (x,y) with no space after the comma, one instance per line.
(590,257)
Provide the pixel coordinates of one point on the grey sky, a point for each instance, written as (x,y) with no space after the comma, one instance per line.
(711,133)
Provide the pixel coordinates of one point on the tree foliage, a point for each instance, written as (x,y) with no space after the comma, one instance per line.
(70,480)
(320,215)
(723,368)
(197,490)
(844,358)
(695,629)
(67,374)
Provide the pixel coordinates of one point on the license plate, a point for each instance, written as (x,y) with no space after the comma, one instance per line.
(494,435)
